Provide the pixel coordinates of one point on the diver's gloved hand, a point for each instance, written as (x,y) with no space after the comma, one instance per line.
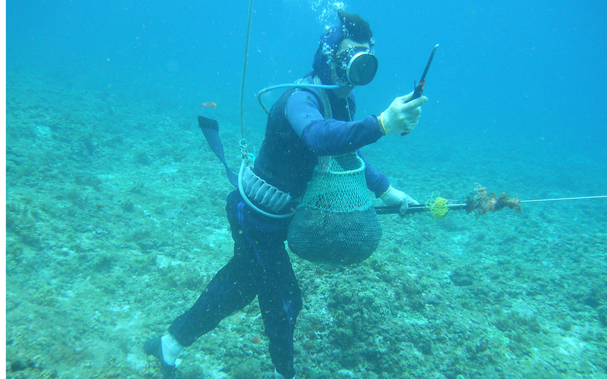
(401,117)
(395,197)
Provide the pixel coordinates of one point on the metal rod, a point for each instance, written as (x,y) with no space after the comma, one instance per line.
(458,206)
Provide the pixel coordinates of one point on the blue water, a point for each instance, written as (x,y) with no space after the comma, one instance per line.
(517,70)
(115,205)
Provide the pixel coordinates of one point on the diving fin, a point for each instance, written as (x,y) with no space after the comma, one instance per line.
(210,129)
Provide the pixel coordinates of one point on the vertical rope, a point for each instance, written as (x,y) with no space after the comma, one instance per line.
(244,69)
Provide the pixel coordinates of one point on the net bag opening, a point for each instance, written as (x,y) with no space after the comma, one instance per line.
(336,222)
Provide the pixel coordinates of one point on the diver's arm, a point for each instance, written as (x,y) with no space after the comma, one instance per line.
(328,137)
(377,182)
(380,185)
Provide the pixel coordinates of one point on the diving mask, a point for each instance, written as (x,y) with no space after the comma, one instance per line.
(356,66)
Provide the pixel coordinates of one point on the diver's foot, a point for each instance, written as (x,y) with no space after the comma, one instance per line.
(154,347)
(278,375)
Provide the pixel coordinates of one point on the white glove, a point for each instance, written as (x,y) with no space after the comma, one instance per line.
(402,117)
(395,197)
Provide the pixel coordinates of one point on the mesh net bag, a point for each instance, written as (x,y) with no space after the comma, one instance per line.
(336,222)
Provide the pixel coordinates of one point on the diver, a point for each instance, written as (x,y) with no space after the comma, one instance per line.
(297,134)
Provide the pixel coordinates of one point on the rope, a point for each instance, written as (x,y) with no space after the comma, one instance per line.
(244,69)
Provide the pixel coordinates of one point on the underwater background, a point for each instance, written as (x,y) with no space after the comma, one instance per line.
(115,203)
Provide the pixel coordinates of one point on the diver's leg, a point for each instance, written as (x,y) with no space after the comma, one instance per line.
(278,291)
(232,288)
(280,303)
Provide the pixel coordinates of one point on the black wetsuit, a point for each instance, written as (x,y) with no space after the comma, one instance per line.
(296,134)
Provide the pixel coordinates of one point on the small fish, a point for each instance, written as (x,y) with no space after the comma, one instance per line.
(209,105)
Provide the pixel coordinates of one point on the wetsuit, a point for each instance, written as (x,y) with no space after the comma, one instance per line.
(296,134)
